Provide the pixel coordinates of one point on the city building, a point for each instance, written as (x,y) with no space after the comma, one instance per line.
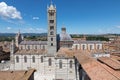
(60,57)
(44,56)
(17,75)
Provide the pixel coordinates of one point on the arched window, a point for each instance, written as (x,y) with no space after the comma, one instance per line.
(49,62)
(41,59)
(51,21)
(25,59)
(76,47)
(33,59)
(28,47)
(17,59)
(36,47)
(51,33)
(60,64)
(43,47)
(91,47)
(51,27)
(83,47)
(51,14)
(51,39)
(51,44)
(40,46)
(98,46)
(71,62)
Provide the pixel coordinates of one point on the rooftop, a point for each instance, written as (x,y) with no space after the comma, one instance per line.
(31,51)
(65,52)
(16,75)
(65,37)
(95,69)
(110,62)
(87,42)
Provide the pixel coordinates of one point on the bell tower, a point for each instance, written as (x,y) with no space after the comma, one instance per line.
(52,32)
(18,38)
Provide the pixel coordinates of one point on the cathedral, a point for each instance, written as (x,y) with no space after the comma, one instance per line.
(52,59)
(44,56)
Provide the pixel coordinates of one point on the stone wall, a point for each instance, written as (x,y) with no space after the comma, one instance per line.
(32,47)
(49,70)
(65,72)
(87,46)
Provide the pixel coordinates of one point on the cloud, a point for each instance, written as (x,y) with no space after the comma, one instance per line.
(9,12)
(31,29)
(35,18)
(41,30)
(118,27)
(8,28)
(35,30)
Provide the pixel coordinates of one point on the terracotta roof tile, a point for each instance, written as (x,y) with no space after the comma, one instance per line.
(65,52)
(113,72)
(110,62)
(16,75)
(93,68)
(31,51)
(115,57)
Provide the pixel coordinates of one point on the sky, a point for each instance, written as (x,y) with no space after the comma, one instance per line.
(78,16)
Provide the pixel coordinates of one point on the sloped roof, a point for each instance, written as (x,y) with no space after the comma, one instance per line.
(87,42)
(115,57)
(112,71)
(110,62)
(31,51)
(65,37)
(16,75)
(95,70)
(65,52)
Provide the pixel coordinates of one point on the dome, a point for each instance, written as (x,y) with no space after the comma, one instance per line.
(65,37)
